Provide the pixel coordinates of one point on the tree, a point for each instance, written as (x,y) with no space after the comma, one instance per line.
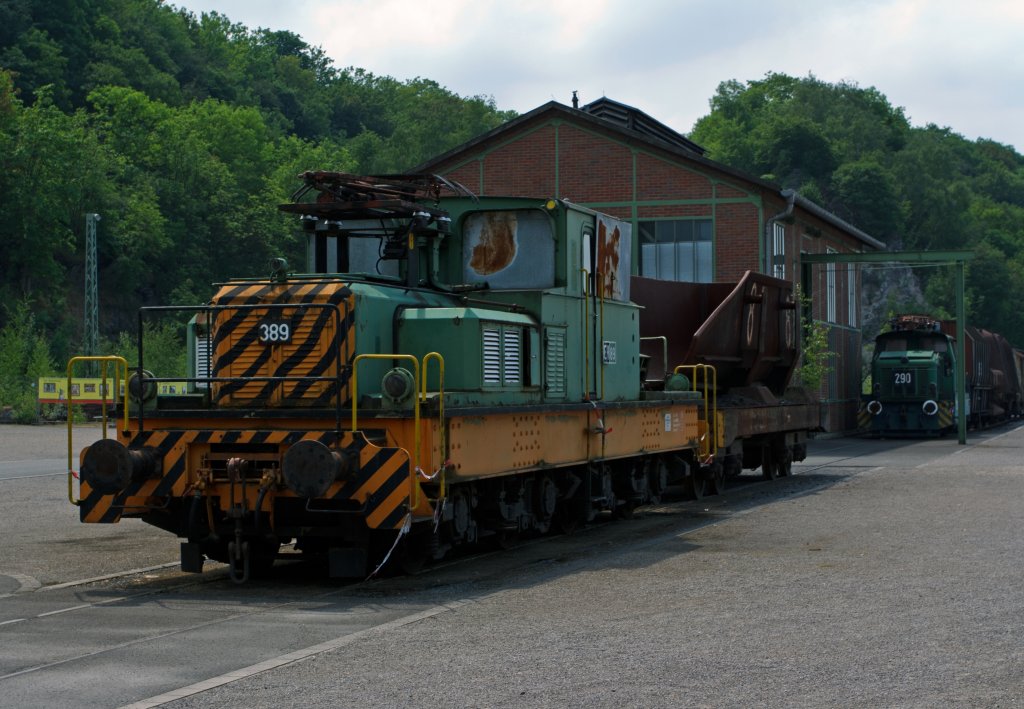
(24,357)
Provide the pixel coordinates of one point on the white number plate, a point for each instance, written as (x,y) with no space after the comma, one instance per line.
(899,378)
(274,332)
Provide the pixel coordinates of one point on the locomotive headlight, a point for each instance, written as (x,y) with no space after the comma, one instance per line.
(874,407)
(398,385)
(930,408)
(142,389)
(309,468)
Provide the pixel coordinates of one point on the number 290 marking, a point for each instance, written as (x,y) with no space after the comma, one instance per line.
(901,378)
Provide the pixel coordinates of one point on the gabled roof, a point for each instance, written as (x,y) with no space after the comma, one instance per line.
(635,126)
(636,120)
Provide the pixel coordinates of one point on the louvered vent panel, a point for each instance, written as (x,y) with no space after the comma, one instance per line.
(202,360)
(554,363)
(492,355)
(512,356)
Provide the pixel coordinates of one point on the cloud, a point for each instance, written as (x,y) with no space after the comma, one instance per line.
(945,61)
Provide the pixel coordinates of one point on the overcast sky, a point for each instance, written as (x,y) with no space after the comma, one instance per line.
(949,62)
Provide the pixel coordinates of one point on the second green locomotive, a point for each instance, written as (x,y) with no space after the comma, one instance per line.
(914,375)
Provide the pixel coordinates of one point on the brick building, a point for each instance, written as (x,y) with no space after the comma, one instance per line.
(693,219)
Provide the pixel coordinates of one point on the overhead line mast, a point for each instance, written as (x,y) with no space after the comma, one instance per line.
(91,334)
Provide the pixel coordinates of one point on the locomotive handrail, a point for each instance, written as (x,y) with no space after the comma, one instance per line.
(440,413)
(415,409)
(104,360)
(599,292)
(335,344)
(585,374)
(708,444)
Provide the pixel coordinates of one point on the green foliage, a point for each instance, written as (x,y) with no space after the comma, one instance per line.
(849,150)
(816,360)
(164,349)
(184,133)
(24,357)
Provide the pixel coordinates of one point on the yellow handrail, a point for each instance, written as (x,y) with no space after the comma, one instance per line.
(586,334)
(440,412)
(709,443)
(599,289)
(105,360)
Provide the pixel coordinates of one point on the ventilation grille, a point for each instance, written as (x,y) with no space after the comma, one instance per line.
(512,356)
(554,363)
(202,360)
(492,355)
(502,355)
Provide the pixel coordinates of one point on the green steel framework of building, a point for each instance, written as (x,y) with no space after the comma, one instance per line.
(958,258)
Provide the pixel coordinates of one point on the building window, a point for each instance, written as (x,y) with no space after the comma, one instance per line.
(677,250)
(779,251)
(851,294)
(830,288)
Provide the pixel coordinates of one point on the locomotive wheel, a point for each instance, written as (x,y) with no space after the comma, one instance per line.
(413,552)
(506,538)
(625,509)
(785,465)
(570,514)
(769,467)
(696,485)
(657,479)
(546,504)
(719,478)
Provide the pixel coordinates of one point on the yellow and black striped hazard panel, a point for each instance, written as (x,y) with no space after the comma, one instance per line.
(863,417)
(172,446)
(307,332)
(381,482)
(945,414)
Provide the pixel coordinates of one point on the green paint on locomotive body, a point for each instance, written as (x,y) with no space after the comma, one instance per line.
(913,383)
(509,299)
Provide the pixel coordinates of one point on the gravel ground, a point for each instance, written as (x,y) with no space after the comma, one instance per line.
(900,587)
(44,543)
(44,441)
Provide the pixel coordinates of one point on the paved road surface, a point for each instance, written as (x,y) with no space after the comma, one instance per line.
(884,574)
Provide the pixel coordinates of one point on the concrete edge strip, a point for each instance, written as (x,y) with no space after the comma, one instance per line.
(291,657)
(107,577)
(25,584)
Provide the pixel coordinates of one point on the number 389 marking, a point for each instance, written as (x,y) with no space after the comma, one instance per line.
(902,378)
(275,332)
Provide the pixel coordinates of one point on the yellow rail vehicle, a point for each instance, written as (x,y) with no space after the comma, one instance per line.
(449,369)
(93,393)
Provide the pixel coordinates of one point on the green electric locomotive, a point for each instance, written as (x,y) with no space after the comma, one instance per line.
(446,370)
